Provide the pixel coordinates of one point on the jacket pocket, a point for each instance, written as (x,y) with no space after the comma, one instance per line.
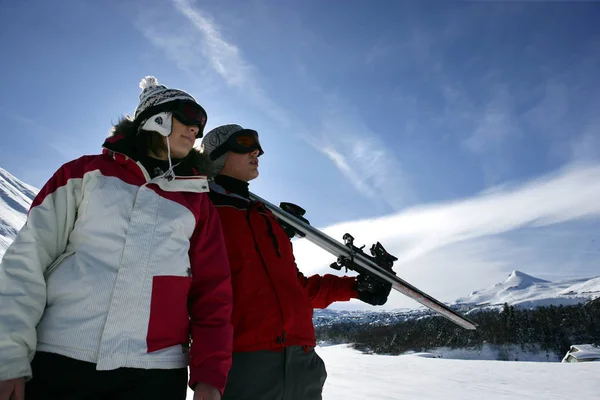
(169,319)
(57,263)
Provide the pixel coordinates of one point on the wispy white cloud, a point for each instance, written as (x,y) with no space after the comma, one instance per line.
(360,155)
(225,57)
(450,247)
(193,40)
(198,42)
(342,164)
(549,107)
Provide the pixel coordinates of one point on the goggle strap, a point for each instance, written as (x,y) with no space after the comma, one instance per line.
(219,151)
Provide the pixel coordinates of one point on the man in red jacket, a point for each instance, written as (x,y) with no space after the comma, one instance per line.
(274,336)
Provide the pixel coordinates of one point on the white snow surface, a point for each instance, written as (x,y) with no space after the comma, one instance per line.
(15,200)
(524,290)
(353,375)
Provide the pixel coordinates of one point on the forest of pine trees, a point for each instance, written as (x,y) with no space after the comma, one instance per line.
(552,328)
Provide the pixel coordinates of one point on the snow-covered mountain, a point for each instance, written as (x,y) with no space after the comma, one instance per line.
(15,199)
(520,289)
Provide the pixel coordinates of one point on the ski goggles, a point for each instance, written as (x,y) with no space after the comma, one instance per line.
(242,142)
(187,112)
(190,113)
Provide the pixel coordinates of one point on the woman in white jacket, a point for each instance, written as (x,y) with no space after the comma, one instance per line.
(120,267)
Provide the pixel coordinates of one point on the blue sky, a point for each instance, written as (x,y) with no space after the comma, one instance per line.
(368,111)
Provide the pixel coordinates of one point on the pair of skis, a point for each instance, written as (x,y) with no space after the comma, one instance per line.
(378,265)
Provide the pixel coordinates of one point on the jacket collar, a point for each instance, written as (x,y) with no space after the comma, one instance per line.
(193,184)
(215,187)
(233,185)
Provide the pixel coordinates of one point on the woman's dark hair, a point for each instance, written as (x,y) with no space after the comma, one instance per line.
(136,145)
(139,142)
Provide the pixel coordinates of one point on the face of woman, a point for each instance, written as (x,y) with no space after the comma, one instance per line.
(181,141)
(182,138)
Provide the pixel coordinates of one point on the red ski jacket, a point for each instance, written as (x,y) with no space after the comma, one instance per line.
(273,301)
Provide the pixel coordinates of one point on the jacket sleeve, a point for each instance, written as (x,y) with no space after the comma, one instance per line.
(210,302)
(38,244)
(325,289)
(322,290)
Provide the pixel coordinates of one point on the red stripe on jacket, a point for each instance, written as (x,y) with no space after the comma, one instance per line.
(210,286)
(71,170)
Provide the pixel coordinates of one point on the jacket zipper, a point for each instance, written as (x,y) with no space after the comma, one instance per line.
(281,338)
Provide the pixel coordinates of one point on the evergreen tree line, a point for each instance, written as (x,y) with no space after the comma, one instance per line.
(552,328)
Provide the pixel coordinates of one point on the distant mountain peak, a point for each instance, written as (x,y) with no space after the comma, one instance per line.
(521,280)
(525,290)
(16,185)
(15,200)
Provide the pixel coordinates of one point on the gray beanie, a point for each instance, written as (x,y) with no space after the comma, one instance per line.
(214,139)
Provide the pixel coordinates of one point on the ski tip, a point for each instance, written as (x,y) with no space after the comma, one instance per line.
(469,325)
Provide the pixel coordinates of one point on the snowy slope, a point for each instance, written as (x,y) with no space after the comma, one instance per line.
(352,375)
(527,291)
(356,376)
(15,199)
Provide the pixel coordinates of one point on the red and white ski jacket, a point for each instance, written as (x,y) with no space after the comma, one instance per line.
(118,269)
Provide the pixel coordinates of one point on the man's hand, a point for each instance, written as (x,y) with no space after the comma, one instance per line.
(371,290)
(12,389)
(203,391)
